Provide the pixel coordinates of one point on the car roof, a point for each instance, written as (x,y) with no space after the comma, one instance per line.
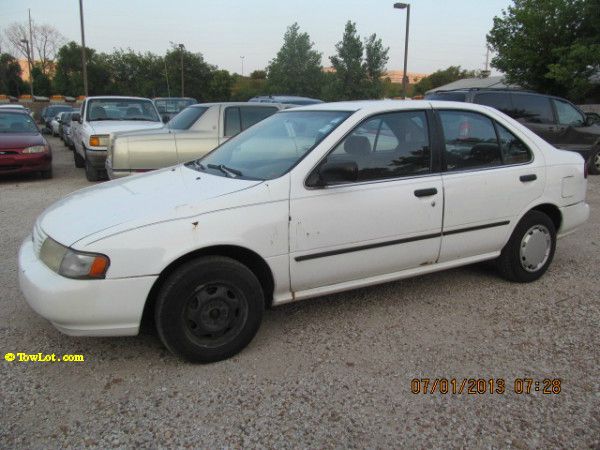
(198,105)
(120,97)
(15,111)
(389,105)
(12,105)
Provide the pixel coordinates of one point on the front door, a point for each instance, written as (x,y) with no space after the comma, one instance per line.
(387,221)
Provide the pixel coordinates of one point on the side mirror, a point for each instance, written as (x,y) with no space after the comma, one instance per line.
(333,173)
(76,117)
(165,118)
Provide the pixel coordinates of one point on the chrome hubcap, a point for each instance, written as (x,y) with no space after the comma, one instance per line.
(535,248)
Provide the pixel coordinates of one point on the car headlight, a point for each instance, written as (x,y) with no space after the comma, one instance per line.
(35,149)
(99,140)
(72,263)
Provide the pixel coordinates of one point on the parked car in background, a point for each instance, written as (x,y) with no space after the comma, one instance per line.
(193,132)
(65,127)
(555,119)
(23,149)
(55,124)
(101,116)
(16,106)
(307,202)
(169,107)
(49,112)
(287,99)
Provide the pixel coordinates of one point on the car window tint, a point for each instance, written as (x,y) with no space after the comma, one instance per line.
(498,100)
(470,140)
(514,151)
(254,114)
(388,146)
(448,96)
(567,114)
(232,121)
(532,108)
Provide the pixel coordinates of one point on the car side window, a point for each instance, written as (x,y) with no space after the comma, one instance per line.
(567,114)
(532,108)
(254,114)
(499,100)
(386,146)
(233,123)
(470,139)
(514,151)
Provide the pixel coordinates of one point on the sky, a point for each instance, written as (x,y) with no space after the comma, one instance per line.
(442,32)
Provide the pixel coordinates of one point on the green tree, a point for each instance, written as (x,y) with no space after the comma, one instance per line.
(41,82)
(376,58)
(68,79)
(550,46)
(10,76)
(296,70)
(259,75)
(350,72)
(197,73)
(219,88)
(443,76)
(137,74)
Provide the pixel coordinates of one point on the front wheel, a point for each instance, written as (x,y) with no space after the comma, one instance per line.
(530,249)
(594,163)
(209,309)
(79,161)
(91,173)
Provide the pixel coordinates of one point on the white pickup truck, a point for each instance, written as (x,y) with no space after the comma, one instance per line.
(192,133)
(101,116)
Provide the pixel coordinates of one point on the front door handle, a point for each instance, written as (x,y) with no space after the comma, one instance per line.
(526,178)
(425,192)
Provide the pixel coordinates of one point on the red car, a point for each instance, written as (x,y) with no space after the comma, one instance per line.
(23,149)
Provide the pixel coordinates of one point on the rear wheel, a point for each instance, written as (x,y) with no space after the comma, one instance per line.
(209,309)
(530,249)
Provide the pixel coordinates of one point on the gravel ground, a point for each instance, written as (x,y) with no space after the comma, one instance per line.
(325,373)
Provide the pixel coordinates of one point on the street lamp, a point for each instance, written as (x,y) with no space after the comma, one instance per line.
(242,58)
(29,63)
(181,47)
(404,75)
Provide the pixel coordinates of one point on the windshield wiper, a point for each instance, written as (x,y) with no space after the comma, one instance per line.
(226,170)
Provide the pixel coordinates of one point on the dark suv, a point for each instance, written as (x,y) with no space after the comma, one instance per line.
(555,119)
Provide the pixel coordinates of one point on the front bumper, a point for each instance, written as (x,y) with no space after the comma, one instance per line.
(25,162)
(573,216)
(96,158)
(114,174)
(109,307)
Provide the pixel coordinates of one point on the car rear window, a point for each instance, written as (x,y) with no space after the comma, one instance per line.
(532,108)
(499,100)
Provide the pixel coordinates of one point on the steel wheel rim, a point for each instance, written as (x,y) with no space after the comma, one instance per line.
(214,314)
(535,248)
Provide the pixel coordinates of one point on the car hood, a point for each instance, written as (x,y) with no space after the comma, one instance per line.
(113,126)
(16,141)
(135,201)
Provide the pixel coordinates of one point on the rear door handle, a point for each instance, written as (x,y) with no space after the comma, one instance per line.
(526,178)
(425,192)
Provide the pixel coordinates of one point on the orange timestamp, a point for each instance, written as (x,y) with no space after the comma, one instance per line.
(475,386)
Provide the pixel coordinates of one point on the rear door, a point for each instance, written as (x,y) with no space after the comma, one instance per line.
(490,177)
(573,131)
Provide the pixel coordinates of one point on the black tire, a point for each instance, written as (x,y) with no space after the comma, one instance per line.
(512,265)
(79,161)
(46,174)
(209,309)
(594,162)
(91,173)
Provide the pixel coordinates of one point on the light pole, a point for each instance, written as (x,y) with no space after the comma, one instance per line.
(404,74)
(181,47)
(83,61)
(242,58)
(26,42)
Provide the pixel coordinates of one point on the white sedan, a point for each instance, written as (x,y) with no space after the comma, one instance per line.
(310,201)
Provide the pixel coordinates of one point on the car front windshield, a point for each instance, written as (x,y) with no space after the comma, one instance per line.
(121,109)
(186,118)
(273,146)
(17,123)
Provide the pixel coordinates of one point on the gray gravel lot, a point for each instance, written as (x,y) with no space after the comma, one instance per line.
(324,373)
